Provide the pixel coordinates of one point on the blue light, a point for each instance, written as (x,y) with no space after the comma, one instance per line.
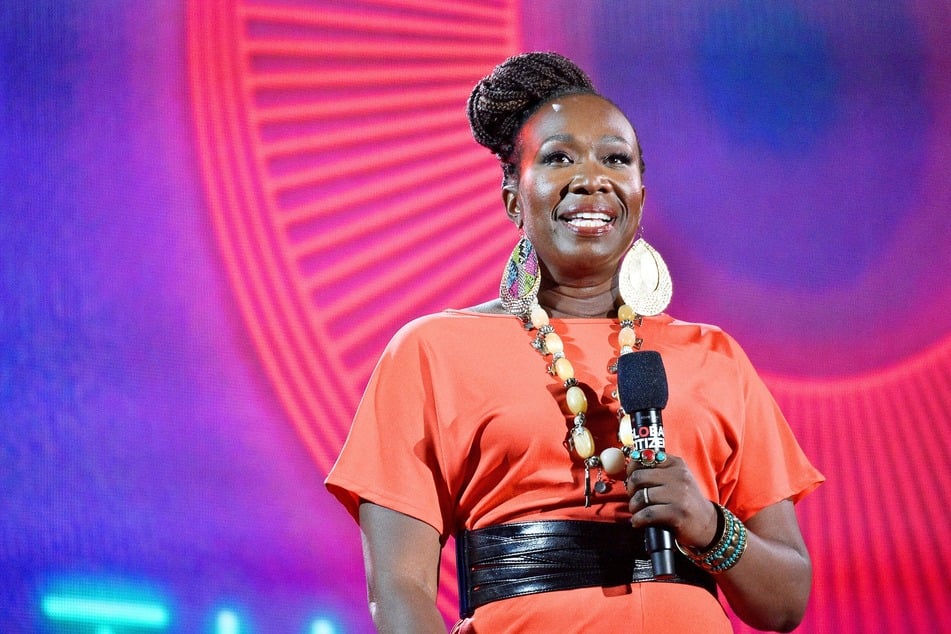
(227,623)
(105,611)
(323,626)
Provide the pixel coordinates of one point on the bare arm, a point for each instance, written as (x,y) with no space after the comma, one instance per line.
(769,586)
(401,555)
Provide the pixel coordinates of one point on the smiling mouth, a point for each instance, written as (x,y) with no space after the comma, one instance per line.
(588,220)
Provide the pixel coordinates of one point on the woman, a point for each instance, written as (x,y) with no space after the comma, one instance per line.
(463,432)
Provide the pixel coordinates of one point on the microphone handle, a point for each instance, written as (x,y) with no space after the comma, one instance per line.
(659,542)
(648,427)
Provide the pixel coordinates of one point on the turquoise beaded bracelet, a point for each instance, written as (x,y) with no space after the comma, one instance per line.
(727,548)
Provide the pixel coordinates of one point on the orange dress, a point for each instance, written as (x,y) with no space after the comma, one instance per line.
(462,427)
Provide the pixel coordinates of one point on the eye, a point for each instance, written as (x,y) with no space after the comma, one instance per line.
(556,158)
(619,158)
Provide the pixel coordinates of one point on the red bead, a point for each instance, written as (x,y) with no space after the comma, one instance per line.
(647,455)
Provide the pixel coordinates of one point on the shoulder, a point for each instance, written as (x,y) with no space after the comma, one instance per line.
(453,327)
(491,307)
(673,329)
(692,339)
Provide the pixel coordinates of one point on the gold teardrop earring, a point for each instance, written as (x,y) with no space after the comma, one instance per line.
(643,280)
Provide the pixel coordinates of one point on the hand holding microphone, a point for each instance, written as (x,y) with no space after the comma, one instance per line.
(642,390)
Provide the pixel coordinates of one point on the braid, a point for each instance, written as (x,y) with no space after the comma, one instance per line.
(502,101)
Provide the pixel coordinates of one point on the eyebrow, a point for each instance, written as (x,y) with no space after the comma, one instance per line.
(563,138)
(567,138)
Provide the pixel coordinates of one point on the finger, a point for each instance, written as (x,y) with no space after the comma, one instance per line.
(649,459)
(652,515)
(637,480)
(644,496)
(640,478)
(655,513)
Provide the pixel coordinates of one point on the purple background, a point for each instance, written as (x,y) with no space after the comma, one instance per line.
(797,188)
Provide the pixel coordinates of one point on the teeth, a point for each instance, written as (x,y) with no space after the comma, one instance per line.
(588,219)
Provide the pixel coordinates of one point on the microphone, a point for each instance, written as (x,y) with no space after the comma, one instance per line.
(642,390)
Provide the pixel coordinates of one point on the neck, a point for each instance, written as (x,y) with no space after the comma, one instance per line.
(579,302)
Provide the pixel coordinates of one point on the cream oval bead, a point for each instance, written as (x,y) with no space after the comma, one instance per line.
(582,441)
(538,316)
(625,432)
(577,401)
(612,460)
(564,369)
(627,337)
(554,344)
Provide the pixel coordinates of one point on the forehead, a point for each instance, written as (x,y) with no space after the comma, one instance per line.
(583,117)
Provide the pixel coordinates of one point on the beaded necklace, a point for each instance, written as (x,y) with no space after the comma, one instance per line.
(612,459)
(644,282)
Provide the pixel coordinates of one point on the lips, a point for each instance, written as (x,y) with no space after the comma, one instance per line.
(589,219)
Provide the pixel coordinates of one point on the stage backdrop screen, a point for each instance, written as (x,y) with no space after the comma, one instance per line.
(215,213)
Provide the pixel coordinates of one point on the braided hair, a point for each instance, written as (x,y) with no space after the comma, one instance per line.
(505,99)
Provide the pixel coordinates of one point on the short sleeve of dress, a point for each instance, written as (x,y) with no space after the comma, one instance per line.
(391,456)
(768,465)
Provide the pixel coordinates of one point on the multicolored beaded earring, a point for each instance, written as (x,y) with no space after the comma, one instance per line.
(521,280)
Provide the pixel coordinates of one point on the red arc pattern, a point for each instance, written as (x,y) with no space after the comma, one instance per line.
(338,168)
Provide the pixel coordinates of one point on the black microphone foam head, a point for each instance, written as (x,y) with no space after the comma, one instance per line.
(641,381)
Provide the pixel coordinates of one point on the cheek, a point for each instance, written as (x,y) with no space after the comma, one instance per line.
(537,228)
(635,203)
(541,195)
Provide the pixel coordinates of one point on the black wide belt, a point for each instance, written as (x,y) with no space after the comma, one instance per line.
(511,560)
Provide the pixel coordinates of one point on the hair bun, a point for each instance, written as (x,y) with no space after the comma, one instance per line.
(502,101)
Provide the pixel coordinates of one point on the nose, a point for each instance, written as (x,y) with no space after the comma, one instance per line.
(590,179)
